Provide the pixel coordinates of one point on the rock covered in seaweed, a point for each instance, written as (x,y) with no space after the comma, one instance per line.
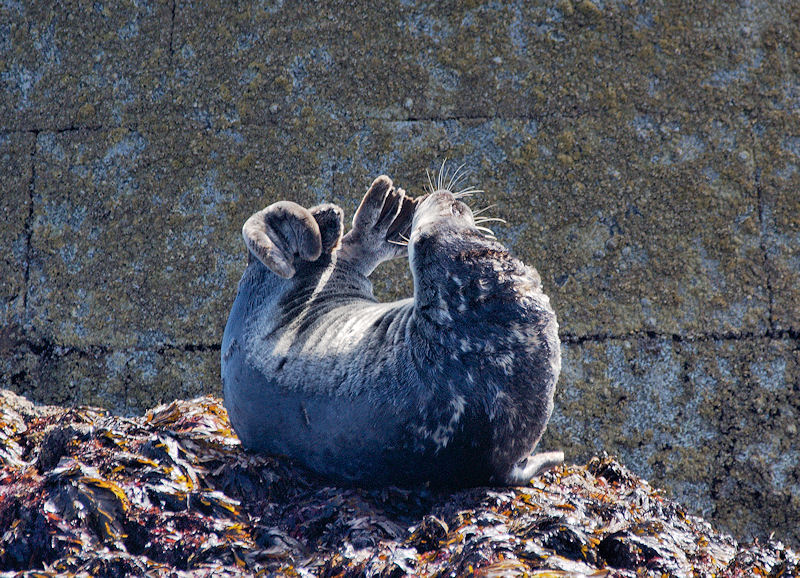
(172,492)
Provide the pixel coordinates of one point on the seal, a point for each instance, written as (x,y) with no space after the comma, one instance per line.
(453,387)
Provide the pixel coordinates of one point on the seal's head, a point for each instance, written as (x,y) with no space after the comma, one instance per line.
(459,271)
(443,226)
(441,209)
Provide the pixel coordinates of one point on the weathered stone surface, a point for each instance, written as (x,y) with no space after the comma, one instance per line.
(271,63)
(779,165)
(15,205)
(166,374)
(405,60)
(126,381)
(81,63)
(713,421)
(660,236)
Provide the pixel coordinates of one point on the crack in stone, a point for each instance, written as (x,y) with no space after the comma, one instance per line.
(75,128)
(190,348)
(774,335)
(171,35)
(464,118)
(63,130)
(572,114)
(277,120)
(46,347)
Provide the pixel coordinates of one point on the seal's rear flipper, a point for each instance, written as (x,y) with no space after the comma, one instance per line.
(532,466)
(330,219)
(285,231)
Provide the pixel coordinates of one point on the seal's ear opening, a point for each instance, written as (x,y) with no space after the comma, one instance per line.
(279,234)
(330,219)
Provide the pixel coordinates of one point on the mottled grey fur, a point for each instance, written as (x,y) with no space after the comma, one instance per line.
(453,387)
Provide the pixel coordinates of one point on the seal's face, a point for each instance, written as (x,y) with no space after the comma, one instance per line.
(439,216)
(440,206)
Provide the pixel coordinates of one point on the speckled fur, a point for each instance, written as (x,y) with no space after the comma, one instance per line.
(453,387)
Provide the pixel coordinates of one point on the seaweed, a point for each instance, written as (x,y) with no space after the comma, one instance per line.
(173,492)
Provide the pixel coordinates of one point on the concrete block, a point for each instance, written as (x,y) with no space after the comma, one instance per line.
(713,421)
(81,63)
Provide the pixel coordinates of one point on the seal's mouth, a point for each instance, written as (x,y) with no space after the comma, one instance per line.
(441,205)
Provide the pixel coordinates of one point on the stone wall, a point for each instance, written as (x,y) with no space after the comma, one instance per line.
(645,155)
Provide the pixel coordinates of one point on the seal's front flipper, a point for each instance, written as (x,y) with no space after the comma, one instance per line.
(284,232)
(380,226)
(532,466)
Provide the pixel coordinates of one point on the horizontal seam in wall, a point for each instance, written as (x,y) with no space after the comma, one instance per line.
(48,348)
(186,124)
(778,335)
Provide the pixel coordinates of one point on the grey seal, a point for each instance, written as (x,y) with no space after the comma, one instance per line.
(453,387)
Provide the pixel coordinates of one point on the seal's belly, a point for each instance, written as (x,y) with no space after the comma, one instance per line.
(328,433)
(348,350)
(325,388)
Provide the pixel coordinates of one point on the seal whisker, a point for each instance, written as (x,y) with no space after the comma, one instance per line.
(441,176)
(487,219)
(468,192)
(453,176)
(401,243)
(485,229)
(430,182)
(456,178)
(483,210)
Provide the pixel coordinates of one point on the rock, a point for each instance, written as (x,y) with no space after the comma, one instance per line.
(172,491)
(428,534)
